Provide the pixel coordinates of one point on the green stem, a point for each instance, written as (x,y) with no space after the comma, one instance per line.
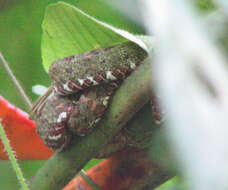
(12,158)
(128,100)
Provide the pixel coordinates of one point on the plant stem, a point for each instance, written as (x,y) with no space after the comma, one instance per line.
(12,158)
(16,82)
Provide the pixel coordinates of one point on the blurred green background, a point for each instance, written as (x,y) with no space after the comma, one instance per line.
(20,39)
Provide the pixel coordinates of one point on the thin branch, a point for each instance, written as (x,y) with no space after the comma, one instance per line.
(16,82)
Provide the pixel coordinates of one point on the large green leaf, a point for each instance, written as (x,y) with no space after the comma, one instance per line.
(69,31)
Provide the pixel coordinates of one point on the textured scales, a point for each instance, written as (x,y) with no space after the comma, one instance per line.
(103,65)
(79,100)
(51,119)
(90,108)
(60,117)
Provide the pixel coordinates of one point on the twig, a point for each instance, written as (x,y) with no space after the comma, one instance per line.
(16,82)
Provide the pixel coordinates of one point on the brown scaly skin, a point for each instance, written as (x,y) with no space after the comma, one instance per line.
(61,117)
(82,87)
(90,108)
(53,131)
(103,65)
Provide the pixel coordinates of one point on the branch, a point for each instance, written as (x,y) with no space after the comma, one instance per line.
(128,169)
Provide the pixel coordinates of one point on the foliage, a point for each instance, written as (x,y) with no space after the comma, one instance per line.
(68,31)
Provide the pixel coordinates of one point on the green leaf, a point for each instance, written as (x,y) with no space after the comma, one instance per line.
(69,31)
